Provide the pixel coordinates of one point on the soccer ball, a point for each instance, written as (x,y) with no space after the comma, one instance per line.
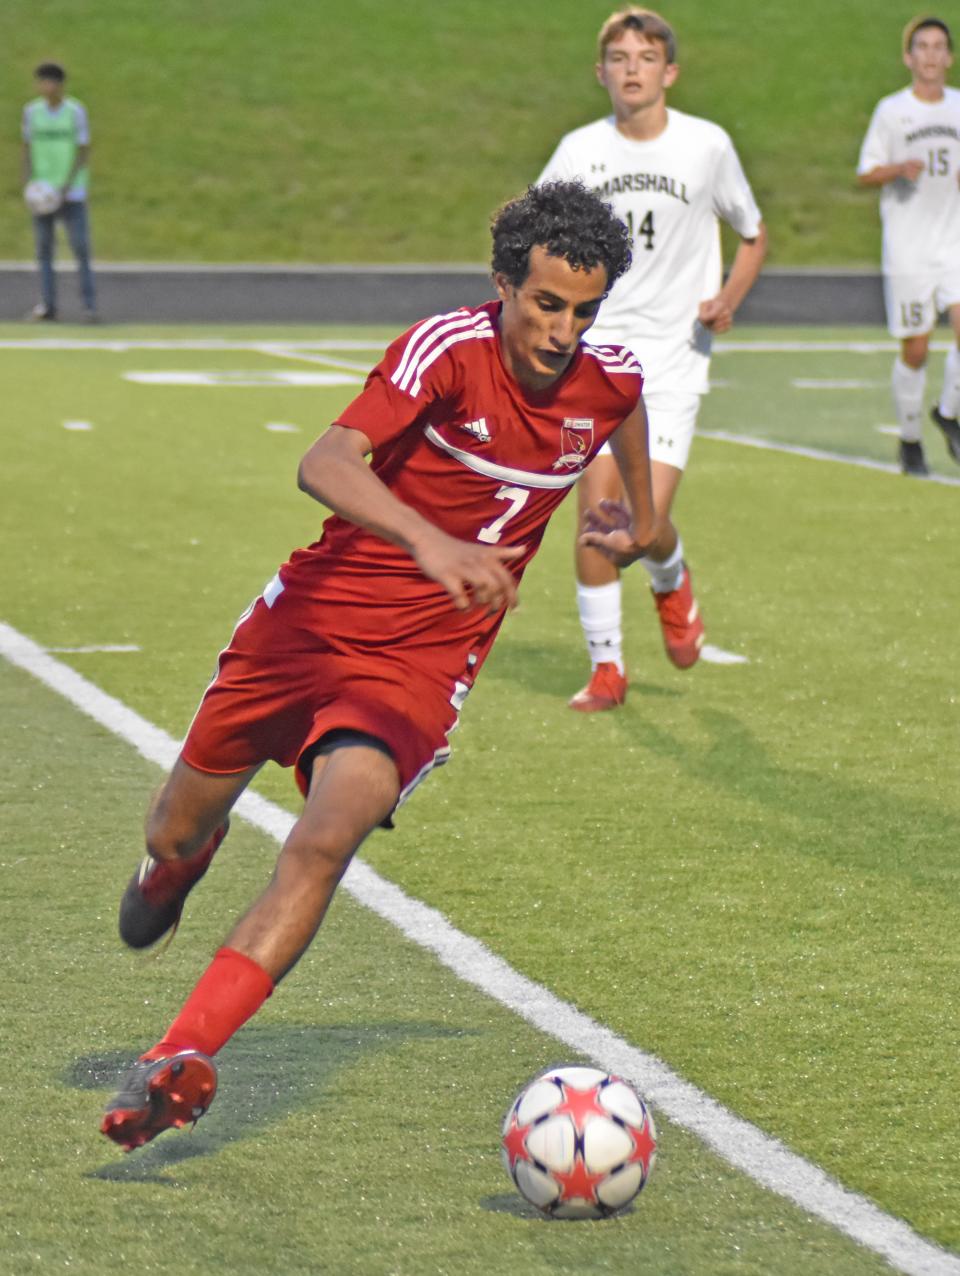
(41,198)
(579,1143)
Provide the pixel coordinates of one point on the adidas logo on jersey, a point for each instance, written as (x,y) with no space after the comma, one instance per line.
(478,429)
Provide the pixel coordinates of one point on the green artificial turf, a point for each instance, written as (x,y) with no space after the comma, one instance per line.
(749,870)
(388,132)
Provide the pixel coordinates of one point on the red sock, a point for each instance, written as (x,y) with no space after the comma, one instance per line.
(231,989)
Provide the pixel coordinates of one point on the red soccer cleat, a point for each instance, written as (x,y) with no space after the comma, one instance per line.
(680,622)
(157,1095)
(607,689)
(155,895)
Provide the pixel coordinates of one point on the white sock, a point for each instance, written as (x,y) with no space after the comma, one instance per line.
(908,386)
(600,611)
(666,576)
(950,394)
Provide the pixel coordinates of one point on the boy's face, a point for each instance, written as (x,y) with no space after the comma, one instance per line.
(635,72)
(929,57)
(51,90)
(543,320)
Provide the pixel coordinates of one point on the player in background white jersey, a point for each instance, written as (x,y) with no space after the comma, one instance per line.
(912,152)
(668,176)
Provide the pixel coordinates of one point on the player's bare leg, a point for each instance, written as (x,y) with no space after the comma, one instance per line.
(945,413)
(186,822)
(352,790)
(908,383)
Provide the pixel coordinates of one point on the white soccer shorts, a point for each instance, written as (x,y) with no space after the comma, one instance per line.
(672,417)
(914,301)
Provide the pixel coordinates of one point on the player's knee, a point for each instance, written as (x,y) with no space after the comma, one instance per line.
(169,836)
(319,851)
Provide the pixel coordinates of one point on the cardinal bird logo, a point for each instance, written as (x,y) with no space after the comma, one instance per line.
(576,440)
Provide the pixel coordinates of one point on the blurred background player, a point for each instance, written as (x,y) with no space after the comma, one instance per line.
(56,147)
(354,664)
(668,176)
(912,152)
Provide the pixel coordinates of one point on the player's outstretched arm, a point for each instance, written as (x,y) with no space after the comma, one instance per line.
(335,473)
(624,533)
(717,312)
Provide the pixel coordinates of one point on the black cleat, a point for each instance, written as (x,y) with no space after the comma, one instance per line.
(157,1095)
(912,460)
(155,895)
(950,428)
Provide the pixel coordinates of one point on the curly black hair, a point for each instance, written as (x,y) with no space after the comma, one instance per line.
(566,219)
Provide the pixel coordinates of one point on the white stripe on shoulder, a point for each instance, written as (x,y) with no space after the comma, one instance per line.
(478,333)
(424,339)
(615,358)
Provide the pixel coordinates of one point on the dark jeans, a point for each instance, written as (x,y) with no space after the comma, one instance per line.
(73,213)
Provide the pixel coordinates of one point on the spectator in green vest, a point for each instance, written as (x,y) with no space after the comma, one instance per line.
(56,146)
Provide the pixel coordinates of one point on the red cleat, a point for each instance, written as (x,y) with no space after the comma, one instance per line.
(681,623)
(155,895)
(607,689)
(157,1095)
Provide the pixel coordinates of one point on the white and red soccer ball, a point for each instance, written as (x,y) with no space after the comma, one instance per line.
(579,1143)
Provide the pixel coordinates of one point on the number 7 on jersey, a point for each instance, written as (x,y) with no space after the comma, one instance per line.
(517,496)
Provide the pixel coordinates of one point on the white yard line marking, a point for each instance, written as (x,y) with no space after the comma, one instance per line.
(817,454)
(810,383)
(816,347)
(717,656)
(106,646)
(114,345)
(893,430)
(307,356)
(77,425)
(256,379)
(762,1158)
(281,427)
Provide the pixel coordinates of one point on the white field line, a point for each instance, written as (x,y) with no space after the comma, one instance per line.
(115,345)
(762,1158)
(812,383)
(717,656)
(816,347)
(120,345)
(307,356)
(95,647)
(817,454)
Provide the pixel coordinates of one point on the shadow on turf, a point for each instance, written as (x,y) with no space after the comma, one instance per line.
(918,838)
(264,1076)
(513,1203)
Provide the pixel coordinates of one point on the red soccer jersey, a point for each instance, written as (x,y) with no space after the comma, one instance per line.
(352,635)
(456,437)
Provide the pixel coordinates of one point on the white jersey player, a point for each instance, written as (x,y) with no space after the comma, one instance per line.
(912,152)
(669,176)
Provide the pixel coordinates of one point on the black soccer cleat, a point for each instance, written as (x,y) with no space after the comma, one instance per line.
(153,901)
(950,428)
(912,460)
(157,1095)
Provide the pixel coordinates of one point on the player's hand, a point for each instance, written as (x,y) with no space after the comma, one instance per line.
(716,314)
(473,575)
(609,529)
(911,169)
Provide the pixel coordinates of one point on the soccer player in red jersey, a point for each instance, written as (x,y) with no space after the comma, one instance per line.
(354,663)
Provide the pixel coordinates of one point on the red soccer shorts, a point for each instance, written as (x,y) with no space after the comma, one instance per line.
(278,690)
